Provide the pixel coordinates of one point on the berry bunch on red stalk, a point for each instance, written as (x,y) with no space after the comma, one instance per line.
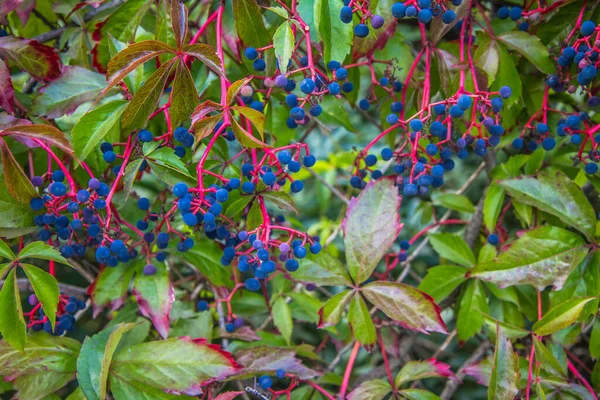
(229,179)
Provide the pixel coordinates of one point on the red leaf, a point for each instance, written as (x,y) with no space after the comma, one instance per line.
(228,395)
(21,7)
(7,92)
(39,60)
(44,133)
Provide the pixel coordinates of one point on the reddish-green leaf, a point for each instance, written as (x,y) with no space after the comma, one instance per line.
(406,305)
(331,312)
(36,59)
(375,389)
(371,226)
(74,87)
(269,359)
(45,133)
(246,139)
(175,365)
(547,359)
(555,194)
(155,295)
(45,287)
(46,364)
(504,381)
(19,186)
(110,288)
(179,19)
(360,321)
(206,54)
(12,322)
(143,104)
(257,118)
(541,257)
(7,92)
(417,370)
(560,316)
(234,89)
(185,95)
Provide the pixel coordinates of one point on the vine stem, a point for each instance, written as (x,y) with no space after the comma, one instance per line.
(348,373)
(578,375)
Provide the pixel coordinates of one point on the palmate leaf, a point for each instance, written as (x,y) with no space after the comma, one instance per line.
(155,296)
(38,60)
(19,186)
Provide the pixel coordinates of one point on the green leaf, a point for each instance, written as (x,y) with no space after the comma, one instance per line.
(254,218)
(595,340)
(94,126)
(337,36)
(281,199)
(441,281)
(510,331)
(206,256)
(417,370)
(472,304)
(504,381)
(331,312)
(454,202)
(508,75)
(19,186)
(249,23)
(138,110)
(547,359)
(282,318)
(131,173)
(5,251)
(360,321)
(12,322)
(42,251)
(438,29)
(531,47)
(417,394)
(76,395)
(452,247)
(408,306)
(541,257)
(184,365)
(371,226)
(154,295)
(560,316)
(283,44)
(74,87)
(555,194)
(95,358)
(185,95)
(322,268)
(110,288)
(487,58)
(46,364)
(171,172)
(237,206)
(375,389)
(13,213)
(492,205)
(126,390)
(45,288)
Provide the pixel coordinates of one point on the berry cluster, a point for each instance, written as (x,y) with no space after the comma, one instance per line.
(65,320)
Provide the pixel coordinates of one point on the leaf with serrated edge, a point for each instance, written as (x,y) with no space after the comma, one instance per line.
(417,370)
(155,295)
(360,321)
(19,186)
(46,290)
(541,257)
(371,226)
(234,89)
(331,312)
(282,318)
(43,251)
(194,362)
(472,302)
(12,322)
(531,47)
(492,205)
(5,251)
(244,137)
(179,19)
(548,360)
(322,268)
(375,389)
(257,118)
(139,109)
(185,95)
(206,54)
(452,247)
(441,281)
(89,131)
(283,44)
(406,305)
(504,381)
(560,316)
(44,133)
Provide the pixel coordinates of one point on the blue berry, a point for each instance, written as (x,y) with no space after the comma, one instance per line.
(248,187)
(36,204)
(145,136)
(371,160)
(505,92)
(149,270)
(307,86)
(259,64)
(180,189)
(588,28)
(346,14)
(297,186)
(503,12)
(309,161)
(109,156)
(58,176)
(361,30)
(424,16)
(334,88)
(493,239)
(516,13)
(341,74)
(252,284)
(377,22)
(399,10)
(265,382)
(222,195)
(416,125)
(58,189)
(591,168)
(448,17)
